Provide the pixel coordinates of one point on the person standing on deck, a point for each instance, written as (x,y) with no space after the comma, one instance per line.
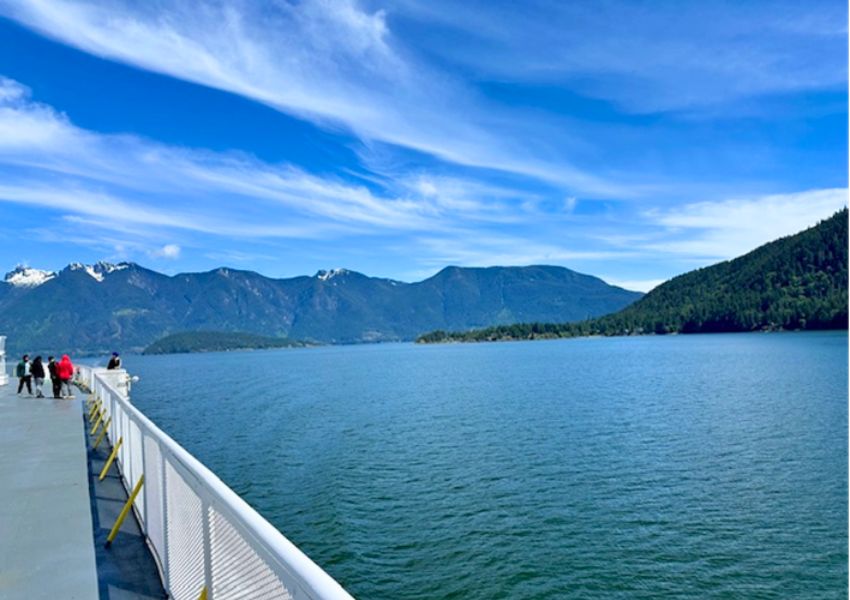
(65,370)
(114,362)
(24,374)
(52,368)
(37,371)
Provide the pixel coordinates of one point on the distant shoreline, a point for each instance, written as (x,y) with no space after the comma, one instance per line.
(193,342)
(213,350)
(457,337)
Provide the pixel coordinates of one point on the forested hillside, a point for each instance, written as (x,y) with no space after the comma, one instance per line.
(797,282)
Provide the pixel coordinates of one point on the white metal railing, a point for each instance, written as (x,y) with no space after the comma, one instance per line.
(203,535)
(4,378)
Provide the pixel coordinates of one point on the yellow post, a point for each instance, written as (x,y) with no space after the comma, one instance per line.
(98,422)
(102,433)
(95,407)
(125,510)
(111,458)
(89,400)
(203,595)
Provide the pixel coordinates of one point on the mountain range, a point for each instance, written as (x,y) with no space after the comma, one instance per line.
(103,307)
(795,282)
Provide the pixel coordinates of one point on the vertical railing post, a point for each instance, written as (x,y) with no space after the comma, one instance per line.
(144,496)
(125,420)
(112,411)
(208,578)
(165,557)
(131,466)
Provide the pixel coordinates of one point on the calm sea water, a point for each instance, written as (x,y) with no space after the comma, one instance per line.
(709,466)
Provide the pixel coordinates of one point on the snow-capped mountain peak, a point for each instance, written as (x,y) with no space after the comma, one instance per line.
(23,276)
(107,267)
(326,275)
(98,270)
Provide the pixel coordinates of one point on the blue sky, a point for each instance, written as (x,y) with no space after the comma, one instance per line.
(629,140)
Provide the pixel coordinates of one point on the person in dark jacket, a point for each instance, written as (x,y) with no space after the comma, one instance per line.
(22,371)
(37,371)
(114,362)
(54,376)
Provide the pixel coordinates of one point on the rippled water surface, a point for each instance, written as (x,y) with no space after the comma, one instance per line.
(681,466)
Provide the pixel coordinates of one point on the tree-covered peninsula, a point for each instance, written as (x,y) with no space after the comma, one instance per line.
(796,282)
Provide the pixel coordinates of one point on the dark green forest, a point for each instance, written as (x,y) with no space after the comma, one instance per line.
(794,283)
(216,341)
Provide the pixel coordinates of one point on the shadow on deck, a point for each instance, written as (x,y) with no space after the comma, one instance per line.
(127,569)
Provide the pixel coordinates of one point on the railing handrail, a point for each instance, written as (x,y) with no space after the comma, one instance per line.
(273,544)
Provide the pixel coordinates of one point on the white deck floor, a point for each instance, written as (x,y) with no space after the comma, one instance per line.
(46,544)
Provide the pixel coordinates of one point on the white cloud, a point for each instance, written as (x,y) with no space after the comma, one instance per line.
(112,179)
(169,251)
(726,229)
(330,62)
(636,285)
(468,197)
(140,196)
(664,57)
(127,194)
(480,250)
(11,91)
(25,126)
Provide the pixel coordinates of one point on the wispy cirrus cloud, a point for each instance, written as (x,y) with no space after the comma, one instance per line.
(330,62)
(121,179)
(150,199)
(469,248)
(647,58)
(725,229)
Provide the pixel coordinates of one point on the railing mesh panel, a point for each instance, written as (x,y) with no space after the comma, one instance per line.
(137,464)
(185,535)
(238,572)
(124,452)
(153,495)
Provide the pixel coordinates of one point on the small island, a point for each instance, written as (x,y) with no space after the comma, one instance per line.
(218,341)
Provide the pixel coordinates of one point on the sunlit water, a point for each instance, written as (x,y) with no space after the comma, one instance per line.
(680,466)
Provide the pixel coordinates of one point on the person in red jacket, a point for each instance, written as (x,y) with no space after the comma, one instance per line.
(65,370)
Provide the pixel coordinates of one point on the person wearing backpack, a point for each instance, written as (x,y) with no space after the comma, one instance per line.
(24,374)
(52,369)
(37,371)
